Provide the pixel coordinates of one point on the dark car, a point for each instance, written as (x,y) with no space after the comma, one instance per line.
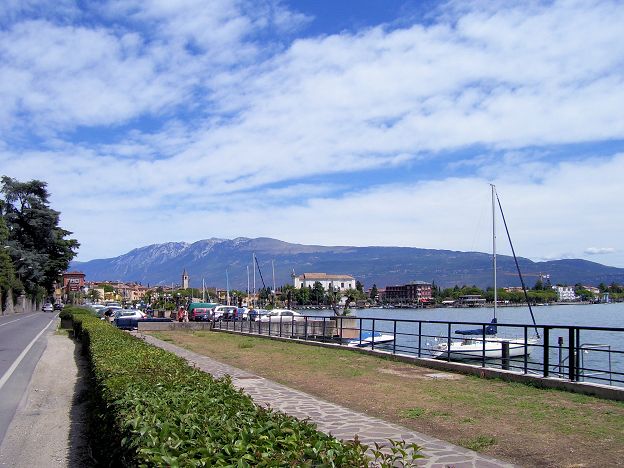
(58,306)
(200,314)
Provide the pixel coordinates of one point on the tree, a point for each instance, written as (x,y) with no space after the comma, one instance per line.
(374,292)
(40,249)
(318,292)
(303,295)
(8,280)
(359,286)
(94,295)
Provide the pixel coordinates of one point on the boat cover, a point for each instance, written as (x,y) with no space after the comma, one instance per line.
(489,330)
(367,334)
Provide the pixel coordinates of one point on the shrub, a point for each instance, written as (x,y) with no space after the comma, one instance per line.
(151,408)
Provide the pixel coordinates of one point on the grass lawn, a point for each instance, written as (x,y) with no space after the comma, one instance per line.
(514,422)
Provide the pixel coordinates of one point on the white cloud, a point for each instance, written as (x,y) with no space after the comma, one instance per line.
(599,250)
(266,117)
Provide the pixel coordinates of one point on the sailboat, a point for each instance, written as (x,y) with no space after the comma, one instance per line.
(484,342)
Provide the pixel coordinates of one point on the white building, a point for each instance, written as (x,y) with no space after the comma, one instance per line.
(336,282)
(566,293)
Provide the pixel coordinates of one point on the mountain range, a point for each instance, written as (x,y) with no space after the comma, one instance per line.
(207,260)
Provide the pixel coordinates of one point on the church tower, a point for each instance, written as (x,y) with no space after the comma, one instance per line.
(185,280)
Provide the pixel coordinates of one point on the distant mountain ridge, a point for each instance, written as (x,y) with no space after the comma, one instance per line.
(162,264)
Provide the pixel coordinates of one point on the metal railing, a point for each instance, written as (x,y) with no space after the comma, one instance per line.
(558,352)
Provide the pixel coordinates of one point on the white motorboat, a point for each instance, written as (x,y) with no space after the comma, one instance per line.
(482,343)
(472,348)
(367,339)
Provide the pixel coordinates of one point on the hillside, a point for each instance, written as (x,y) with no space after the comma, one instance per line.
(208,259)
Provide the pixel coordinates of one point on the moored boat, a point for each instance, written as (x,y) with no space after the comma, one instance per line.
(367,339)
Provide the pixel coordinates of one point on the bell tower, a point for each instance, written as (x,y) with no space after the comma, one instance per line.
(185,280)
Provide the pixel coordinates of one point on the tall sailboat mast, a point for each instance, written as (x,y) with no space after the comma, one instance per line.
(227,287)
(253,265)
(248,303)
(494,245)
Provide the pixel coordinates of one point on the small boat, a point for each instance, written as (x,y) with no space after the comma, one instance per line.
(471,347)
(482,343)
(367,339)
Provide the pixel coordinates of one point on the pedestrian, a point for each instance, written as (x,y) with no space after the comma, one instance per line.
(181,314)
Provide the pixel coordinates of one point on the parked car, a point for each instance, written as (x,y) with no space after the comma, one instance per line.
(223,312)
(58,306)
(47,307)
(200,314)
(126,319)
(284,315)
(130,313)
(205,307)
(108,312)
(256,314)
(243,313)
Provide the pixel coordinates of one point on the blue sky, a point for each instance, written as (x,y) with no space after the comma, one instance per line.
(335,123)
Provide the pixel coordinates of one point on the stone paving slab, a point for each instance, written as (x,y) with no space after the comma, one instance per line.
(331,418)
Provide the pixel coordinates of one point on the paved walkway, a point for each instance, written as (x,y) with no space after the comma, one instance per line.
(331,418)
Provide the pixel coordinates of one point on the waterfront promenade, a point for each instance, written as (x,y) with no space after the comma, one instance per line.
(332,418)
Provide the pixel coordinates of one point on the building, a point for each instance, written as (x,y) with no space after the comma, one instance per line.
(415,292)
(73,281)
(328,281)
(185,279)
(471,300)
(565,293)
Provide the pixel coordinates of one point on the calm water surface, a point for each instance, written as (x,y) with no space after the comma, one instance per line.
(593,315)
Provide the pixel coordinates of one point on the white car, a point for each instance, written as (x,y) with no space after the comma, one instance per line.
(47,307)
(130,313)
(223,312)
(284,315)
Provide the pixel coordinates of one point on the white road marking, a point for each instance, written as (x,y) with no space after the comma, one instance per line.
(7,375)
(17,320)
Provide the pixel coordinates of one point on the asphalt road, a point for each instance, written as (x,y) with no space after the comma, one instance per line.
(23,339)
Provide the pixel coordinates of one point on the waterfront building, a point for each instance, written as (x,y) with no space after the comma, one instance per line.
(565,293)
(413,292)
(471,300)
(328,281)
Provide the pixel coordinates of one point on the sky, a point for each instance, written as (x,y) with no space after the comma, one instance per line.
(359,122)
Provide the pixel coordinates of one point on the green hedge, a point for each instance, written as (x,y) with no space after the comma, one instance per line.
(150,408)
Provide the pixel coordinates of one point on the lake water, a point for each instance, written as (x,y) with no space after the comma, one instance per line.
(586,315)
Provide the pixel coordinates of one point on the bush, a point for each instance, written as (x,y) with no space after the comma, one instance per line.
(150,408)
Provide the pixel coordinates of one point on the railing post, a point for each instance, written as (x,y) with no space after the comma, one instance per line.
(560,345)
(526,349)
(270,325)
(373,336)
(360,331)
(419,338)
(341,322)
(323,329)
(546,350)
(483,346)
(505,355)
(571,355)
(578,354)
(305,328)
(395,337)
(448,342)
